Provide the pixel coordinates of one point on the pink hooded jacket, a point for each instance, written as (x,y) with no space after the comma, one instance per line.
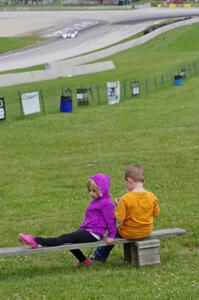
(99,216)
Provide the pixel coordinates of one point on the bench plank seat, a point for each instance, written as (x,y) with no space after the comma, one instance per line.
(25,250)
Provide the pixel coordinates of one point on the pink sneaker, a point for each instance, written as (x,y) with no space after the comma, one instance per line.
(28,239)
(86,262)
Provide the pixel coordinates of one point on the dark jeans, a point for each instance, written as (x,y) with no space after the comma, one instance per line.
(102,252)
(79,236)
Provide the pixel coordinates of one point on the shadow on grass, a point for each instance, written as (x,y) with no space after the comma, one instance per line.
(24,267)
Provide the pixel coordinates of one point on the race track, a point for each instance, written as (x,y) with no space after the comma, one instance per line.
(106,28)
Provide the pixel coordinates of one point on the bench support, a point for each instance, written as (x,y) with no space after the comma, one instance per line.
(141,253)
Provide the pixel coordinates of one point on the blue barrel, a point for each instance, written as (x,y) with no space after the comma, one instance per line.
(178,80)
(66,104)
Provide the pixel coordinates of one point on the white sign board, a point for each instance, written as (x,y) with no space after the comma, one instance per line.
(113,91)
(2,110)
(30,103)
(135,88)
(80,96)
(2,114)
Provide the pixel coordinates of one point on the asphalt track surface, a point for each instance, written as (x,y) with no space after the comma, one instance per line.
(109,27)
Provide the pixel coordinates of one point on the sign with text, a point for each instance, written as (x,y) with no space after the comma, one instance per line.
(113,91)
(83,95)
(30,103)
(2,109)
(135,88)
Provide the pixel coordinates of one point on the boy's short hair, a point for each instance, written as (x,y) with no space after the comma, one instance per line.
(135,172)
(92,186)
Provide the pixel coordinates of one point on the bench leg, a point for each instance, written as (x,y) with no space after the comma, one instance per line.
(131,254)
(127,252)
(142,253)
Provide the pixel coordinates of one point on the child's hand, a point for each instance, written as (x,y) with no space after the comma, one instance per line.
(117,200)
(109,240)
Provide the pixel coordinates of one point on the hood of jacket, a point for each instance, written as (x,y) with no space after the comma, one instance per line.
(103,183)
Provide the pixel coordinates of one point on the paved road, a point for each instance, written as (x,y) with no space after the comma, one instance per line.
(112,26)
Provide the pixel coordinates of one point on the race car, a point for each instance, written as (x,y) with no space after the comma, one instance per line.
(70,34)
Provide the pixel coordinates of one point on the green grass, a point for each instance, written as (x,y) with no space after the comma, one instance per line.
(34,68)
(13,43)
(45,162)
(163,55)
(166,53)
(135,36)
(9,43)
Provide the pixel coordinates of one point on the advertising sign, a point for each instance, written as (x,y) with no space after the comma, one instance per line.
(30,103)
(113,91)
(83,95)
(135,88)
(2,109)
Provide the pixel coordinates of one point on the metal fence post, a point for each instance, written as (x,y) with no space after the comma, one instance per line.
(98,94)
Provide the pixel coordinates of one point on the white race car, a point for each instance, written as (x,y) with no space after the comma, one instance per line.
(70,34)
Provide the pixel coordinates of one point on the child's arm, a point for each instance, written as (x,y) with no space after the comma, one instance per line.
(156,210)
(110,240)
(120,213)
(117,200)
(108,213)
(119,221)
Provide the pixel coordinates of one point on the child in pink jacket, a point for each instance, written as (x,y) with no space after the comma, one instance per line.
(99,218)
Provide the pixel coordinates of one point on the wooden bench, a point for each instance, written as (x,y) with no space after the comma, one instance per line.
(138,252)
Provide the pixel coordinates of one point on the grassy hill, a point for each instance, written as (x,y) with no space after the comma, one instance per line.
(45,161)
(162,56)
(12,43)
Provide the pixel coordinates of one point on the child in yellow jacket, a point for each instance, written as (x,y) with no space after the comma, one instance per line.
(135,210)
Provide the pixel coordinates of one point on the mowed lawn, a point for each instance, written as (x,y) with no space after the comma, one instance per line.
(45,161)
(13,43)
